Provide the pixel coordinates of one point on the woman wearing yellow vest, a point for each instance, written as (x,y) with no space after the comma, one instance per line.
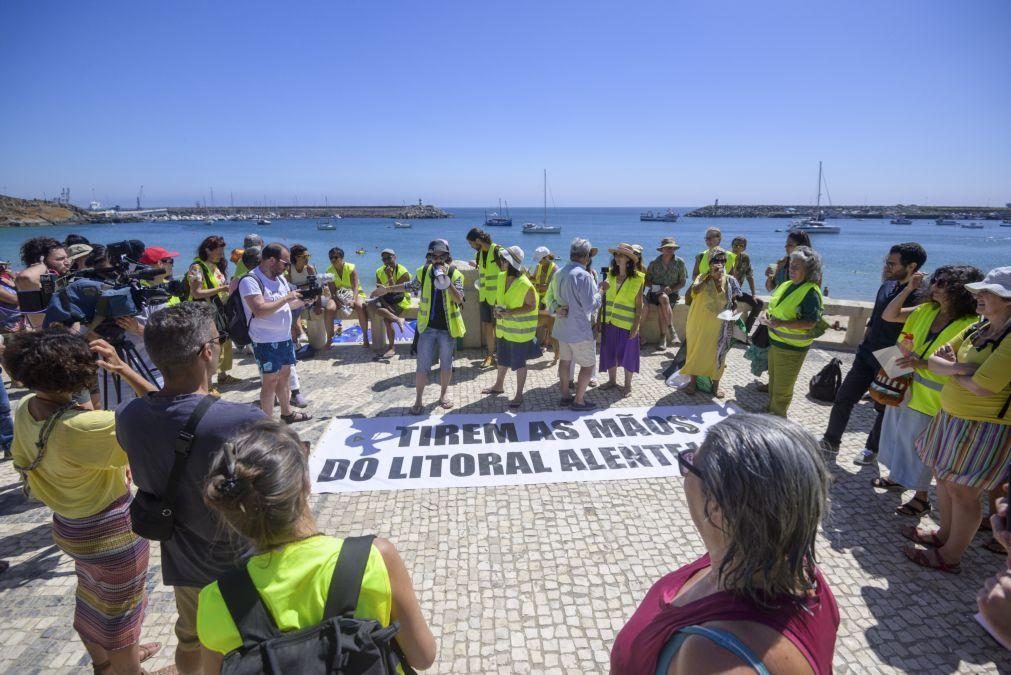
(486,262)
(794,310)
(620,316)
(259,484)
(543,272)
(949,310)
(709,337)
(515,323)
(391,305)
(346,276)
(967,445)
(713,238)
(208,283)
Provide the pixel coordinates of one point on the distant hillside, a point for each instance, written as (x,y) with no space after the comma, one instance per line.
(16,212)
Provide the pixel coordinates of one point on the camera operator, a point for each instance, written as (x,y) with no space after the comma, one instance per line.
(163,259)
(130,346)
(41,255)
(268,299)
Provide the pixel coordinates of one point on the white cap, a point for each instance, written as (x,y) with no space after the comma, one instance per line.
(540,252)
(997,281)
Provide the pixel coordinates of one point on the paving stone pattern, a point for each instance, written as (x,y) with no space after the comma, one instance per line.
(539,579)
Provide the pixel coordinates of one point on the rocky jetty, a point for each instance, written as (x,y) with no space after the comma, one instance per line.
(910,211)
(16,212)
(411,212)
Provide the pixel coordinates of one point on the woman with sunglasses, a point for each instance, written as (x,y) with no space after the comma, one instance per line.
(756,490)
(949,310)
(968,443)
(346,292)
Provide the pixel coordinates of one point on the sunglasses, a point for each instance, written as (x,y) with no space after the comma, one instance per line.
(941,283)
(286,263)
(685,465)
(221,340)
(169,261)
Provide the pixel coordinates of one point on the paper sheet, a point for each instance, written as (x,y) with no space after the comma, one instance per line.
(887,358)
(728,315)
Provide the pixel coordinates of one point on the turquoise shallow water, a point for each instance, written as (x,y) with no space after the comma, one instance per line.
(852,259)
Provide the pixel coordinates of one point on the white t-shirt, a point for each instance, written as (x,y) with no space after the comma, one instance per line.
(277,326)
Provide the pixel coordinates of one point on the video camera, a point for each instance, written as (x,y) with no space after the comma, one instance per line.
(99,296)
(313,286)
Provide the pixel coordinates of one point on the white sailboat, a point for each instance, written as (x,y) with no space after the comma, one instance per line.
(815,225)
(543,228)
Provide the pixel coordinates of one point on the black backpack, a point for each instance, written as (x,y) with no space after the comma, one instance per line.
(340,644)
(826,383)
(236,322)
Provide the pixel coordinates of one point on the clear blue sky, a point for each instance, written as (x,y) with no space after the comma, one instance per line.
(460,103)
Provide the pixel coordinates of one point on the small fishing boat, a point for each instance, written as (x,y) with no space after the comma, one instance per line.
(901,221)
(971,226)
(946,222)
(401,226)
(1006,222)
(670,216)
(326,225)
(263,221)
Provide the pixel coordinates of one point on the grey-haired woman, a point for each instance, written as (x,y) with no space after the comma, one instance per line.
(756,491)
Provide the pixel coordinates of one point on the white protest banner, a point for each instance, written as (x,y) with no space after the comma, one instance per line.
(473,450)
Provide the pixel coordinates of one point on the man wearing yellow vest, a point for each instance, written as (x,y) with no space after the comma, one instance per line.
(391,305)
(486,262)
(516,323)
(440,320)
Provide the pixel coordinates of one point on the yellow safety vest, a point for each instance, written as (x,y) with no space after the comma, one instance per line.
(405,302)
(454,317)
(704,262)
(489,272)
(619,304)
(520,327)
(207,273)
(342,280)
(785,309)
(925,389)
(543,274)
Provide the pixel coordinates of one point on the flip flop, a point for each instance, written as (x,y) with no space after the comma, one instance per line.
(415,410)
(931,559)
(608,385)
(566,401)
(493,391)
(148,650)
(994,547)
(908,509)
(515,404)
(447,403)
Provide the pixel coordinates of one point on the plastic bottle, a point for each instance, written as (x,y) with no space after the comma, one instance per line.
(906,344)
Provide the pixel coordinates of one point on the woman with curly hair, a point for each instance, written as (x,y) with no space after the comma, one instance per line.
(949,309)
(69,459)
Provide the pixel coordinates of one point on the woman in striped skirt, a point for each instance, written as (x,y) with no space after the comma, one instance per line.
(968,443)
(69,459)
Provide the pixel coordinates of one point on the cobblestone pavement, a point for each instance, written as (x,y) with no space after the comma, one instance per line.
(540,578)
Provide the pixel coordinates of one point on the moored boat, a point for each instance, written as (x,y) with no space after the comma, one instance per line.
(401,226)
(540,228)
(946,222)
(670,216)
(263,221)
(326,225)
(901,221)
(971,226)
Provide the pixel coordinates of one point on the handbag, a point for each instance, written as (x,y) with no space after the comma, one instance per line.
(889,390)
(760,338)
(153,517)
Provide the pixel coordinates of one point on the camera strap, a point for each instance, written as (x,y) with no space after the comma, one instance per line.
(184,444)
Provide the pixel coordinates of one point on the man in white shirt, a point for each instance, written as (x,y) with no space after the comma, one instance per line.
(268,299)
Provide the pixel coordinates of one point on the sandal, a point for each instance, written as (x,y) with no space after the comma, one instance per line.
(994,546)
(608,385)
(516,403)
(909,508)
(415,410)
(148,650)
(931,559)
(297,416)
(566,401)
(446,403)
(886,484)
(493,391)
(918,536)
(225,378)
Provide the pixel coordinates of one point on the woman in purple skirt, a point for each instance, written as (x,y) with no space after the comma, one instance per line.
(620,317)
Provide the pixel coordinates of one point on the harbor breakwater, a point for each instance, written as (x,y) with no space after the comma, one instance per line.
(910,211)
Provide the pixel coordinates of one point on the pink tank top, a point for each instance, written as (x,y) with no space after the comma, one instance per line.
(811,628)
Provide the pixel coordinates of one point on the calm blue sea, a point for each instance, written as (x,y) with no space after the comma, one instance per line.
(852,259)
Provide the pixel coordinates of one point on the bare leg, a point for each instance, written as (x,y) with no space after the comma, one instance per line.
(612,376)
(489,337)
(268,390)
(420,382)
(966,512)
(445,377)
(363,320)
(628,381)
(284,390)
(563,376)
(499,386)
(521,381)
(665,315)
(585,373)
(943,508)
(125,661)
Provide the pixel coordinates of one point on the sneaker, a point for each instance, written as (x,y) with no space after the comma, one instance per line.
(298,400)
(828,447)
(866,457)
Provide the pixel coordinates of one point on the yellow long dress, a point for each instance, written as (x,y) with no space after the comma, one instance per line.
(704,331)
